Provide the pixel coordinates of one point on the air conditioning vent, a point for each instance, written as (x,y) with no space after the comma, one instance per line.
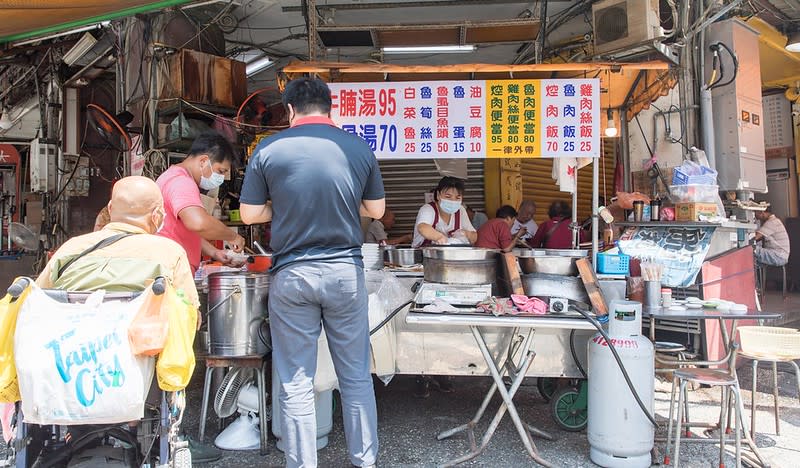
(613,22)
(620,24)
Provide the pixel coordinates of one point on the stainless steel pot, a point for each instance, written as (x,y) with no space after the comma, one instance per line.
(544,285)
(550,261)
(237,313)
(403,257)
(460,265)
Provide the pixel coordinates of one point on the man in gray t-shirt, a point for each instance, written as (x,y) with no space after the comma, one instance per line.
(376,232)
(319,179)
(774,248)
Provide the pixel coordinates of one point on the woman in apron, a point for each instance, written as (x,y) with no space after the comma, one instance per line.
(444,221)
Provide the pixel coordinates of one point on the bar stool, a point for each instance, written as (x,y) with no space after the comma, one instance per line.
(259,363)
(774,345)
(762,278)
(678,351)
(729,383)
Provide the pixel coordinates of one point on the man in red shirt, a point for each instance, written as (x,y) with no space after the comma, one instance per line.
(187,222)
(496,234)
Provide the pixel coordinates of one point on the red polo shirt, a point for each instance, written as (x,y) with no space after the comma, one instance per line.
(494,234)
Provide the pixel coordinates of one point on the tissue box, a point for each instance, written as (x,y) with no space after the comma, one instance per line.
(706,177)
(692,211)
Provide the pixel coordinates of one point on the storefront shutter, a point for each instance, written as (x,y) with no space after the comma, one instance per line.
(538,183)
(407,181)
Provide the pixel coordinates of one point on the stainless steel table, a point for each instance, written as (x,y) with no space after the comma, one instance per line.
(518,359)
(722,316)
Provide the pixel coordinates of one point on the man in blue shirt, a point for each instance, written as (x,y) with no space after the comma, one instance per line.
(320,180)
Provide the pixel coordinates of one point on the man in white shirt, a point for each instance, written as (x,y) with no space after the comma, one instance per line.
(774,248)
(525,214)
(477,218)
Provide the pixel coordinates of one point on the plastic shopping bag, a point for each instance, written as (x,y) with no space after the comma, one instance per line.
(9,310)
(175,364)
(148,331)
(79,369)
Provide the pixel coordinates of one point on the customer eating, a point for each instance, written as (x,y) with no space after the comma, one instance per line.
(496,233)
(555,233)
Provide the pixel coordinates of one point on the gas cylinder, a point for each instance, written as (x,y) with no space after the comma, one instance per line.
(620,435)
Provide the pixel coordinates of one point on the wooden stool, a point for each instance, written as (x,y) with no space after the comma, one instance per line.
(259,363)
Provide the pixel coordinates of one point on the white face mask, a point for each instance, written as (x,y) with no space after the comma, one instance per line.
(210,183)
(450,206)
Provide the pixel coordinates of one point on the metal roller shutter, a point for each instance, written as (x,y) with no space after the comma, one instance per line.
(538,183)
(407,181)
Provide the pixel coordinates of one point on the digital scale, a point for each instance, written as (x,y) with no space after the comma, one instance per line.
(464,297)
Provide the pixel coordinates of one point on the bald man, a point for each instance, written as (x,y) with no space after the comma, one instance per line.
(136,255)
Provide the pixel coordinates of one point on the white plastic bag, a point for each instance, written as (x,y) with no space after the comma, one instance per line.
(325,379)
(79,369)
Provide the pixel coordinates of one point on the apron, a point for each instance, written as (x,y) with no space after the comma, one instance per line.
(456,224)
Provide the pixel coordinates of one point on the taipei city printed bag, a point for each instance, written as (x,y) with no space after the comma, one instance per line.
(79,368)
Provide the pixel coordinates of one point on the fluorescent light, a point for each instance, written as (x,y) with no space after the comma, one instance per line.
(793,43)
(445,49)
(84,44)
(90,27)
(5,120)
(611,128)
(257,65)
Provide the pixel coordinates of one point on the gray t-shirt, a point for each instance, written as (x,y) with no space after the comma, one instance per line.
(376,233)
(316,176)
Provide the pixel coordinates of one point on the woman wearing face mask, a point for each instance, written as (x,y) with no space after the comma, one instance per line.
(444,221)
(187,222)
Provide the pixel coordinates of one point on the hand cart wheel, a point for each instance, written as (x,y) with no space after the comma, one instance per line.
(569,408)
(547,387)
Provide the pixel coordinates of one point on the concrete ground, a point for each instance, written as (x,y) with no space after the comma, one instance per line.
(408,426)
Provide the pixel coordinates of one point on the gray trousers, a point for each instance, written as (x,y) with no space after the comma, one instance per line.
(304,297)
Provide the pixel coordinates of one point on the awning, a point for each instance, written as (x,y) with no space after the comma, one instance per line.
(634,85)
(23,20)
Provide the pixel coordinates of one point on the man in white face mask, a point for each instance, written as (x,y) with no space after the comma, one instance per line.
(187,222)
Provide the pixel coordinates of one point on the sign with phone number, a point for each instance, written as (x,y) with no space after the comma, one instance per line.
(472,119)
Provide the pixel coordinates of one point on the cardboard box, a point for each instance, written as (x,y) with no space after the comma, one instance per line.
(693,211)
(203,79)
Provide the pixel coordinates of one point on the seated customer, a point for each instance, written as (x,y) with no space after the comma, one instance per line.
(774,248)
(376,232)
(496,234)
(555,233)
(477,218)
(136,210)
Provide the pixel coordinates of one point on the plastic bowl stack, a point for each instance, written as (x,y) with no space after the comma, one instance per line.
(373,256)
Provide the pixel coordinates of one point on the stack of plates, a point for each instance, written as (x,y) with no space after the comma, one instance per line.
(373,256)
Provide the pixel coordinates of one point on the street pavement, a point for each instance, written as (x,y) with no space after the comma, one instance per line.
(408,427)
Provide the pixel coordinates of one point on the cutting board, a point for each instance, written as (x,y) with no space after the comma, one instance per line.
(592,286)
(512,273)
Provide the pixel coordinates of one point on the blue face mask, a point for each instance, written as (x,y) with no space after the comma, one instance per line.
(450,206)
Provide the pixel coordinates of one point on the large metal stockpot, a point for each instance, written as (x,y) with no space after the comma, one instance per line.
(402,257)
(237,313)
(550,261)
(460,265)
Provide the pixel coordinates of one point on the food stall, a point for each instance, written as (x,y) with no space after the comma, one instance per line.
(492,112)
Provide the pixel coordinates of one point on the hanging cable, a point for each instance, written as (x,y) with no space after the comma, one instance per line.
(735,61)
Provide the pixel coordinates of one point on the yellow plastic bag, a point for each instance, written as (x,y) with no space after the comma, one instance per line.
(9,385)
(148,331)
(175,364)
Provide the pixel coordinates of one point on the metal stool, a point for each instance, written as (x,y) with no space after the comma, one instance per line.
(762,278)
(729,383)
(679,351)
(259,363)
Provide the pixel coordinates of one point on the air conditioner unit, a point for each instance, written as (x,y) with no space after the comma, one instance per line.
(43,158)
(624,23)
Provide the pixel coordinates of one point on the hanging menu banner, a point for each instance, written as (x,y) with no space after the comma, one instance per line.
(472,119)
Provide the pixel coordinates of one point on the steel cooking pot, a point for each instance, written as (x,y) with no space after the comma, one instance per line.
(549,261)
(403,257)
(460,265)
(237,313)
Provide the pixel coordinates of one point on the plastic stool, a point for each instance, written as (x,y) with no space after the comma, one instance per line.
(259,363)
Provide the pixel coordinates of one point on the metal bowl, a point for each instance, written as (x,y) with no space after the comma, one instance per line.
(459,253)
(550,261)
(403,257)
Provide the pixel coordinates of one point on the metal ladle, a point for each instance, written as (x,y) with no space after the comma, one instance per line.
(260,249)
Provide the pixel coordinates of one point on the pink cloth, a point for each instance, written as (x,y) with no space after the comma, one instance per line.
(180,191)
(529,305)
(6,414)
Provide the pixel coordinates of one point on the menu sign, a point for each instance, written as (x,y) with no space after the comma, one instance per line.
(472,119)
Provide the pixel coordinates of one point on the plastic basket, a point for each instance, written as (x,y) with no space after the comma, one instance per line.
(613,264)
(770,341)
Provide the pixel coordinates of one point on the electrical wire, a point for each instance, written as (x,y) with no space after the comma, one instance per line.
(389,317)
(575,354)
(647,143)
(735,65)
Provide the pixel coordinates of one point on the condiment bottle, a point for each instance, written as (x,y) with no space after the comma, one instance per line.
(655,210)
(666,297)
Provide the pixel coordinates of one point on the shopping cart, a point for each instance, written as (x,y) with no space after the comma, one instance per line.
(101,445)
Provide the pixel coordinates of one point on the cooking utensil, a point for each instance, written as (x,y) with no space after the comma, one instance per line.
(237,313)
(260,249)
(550,261)
(249,250)
(403,257)
(259,263)
(460,265)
